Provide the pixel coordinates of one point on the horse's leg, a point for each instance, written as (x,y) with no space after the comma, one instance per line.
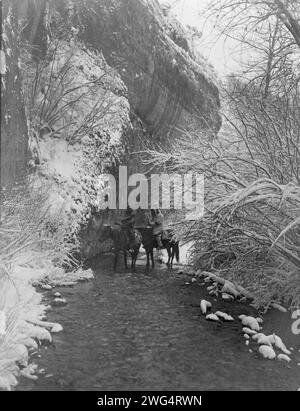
(136,254)
(169,254)
(116,260)
(133,259)
(172,255)
(125,259)
(148,257)
(152,258)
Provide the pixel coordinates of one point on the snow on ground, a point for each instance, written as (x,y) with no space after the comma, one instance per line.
(23,314)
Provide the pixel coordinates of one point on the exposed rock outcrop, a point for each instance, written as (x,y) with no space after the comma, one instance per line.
(167,88)
(78,122)
(125,56)
(14,133)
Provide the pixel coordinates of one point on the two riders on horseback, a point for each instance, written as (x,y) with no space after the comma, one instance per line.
(153,235)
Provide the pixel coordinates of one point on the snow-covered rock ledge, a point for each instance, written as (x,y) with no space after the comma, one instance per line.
(22,316)
(228,290)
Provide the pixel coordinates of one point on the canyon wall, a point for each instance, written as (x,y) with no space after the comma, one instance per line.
(14,133)
(100,80)
(167,88)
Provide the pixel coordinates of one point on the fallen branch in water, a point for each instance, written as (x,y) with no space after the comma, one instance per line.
(228,286)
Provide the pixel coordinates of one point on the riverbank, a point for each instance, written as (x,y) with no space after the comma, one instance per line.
(23,328)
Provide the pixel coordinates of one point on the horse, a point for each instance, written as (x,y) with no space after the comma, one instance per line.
(149,243)
(121,242)
(171,245)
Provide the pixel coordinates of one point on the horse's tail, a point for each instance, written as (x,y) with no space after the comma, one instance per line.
(177,252)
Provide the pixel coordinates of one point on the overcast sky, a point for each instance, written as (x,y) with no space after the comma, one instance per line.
(224,55)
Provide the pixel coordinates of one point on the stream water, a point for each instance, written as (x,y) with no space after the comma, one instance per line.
(144,331)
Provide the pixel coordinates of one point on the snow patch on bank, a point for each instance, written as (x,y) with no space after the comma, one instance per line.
(23,317)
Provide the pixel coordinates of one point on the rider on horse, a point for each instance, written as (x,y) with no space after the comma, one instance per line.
(128,224)
(156,220)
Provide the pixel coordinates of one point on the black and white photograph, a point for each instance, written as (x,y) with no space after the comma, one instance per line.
(149,200)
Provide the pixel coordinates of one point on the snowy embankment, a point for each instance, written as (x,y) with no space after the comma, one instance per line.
(268,346)
(23,325)
(67,160)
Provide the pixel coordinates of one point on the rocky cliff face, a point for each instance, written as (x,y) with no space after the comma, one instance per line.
(167,88)
(14,135)
(101,78)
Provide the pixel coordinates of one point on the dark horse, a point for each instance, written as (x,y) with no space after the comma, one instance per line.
(149,243)
(121,242)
